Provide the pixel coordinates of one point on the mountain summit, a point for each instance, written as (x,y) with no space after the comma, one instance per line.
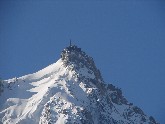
(70,91)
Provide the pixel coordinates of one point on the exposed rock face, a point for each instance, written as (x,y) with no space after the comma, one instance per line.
(73,56)
(103,97)
(70,91)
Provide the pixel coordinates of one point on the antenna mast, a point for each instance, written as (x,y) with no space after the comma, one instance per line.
(70,42)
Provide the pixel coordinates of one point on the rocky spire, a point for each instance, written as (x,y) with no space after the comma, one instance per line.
(73,55)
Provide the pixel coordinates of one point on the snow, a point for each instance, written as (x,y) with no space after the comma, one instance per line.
(28,94)
(55,95)
(85,73)
(25,101)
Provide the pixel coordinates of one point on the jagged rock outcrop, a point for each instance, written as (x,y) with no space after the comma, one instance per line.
(70,91)
(73,55)
(104,95)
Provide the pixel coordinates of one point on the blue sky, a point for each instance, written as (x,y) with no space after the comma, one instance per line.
(125,38)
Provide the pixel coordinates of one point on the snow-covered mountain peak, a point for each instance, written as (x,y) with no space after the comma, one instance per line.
(76,59)
(70,91)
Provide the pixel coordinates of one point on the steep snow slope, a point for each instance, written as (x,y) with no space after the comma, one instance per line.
(69,91)
(25,97)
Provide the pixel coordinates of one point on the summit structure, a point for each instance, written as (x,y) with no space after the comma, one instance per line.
(70,91)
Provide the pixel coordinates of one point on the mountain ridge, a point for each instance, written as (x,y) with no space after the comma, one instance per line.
(71,90)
